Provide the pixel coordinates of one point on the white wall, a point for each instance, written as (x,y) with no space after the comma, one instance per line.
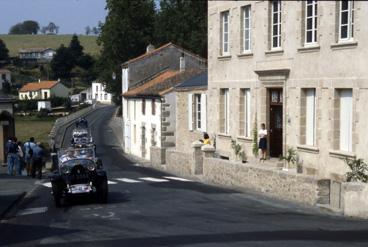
(99,94)
(133,141)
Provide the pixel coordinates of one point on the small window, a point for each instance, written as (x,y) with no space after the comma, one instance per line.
(198,111)
(225,32)
(246,12)
(153,106)
(311,22)
(144,106)
(346,23)
(224,111)
(276,24)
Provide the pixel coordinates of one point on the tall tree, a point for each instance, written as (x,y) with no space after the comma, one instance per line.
(183,22)
(75,48)
(124,35)
(4,52)
(26,27)
(62,63)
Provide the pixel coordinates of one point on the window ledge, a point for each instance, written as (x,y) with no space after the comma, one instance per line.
(245,54)
(341,154)
(224,57)
(223,135)
(308,149)
(274,52)
(244,138)
(310,48)
(344,45)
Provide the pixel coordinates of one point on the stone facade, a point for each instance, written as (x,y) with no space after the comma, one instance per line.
(291,68)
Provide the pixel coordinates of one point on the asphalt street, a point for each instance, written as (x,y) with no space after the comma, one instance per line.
(151,208)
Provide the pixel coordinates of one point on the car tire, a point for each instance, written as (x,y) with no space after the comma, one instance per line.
(102,191)
(57,195)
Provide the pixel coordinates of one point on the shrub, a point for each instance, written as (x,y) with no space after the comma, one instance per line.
(359,170)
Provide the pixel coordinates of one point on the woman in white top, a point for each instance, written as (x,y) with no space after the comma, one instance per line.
(262,134)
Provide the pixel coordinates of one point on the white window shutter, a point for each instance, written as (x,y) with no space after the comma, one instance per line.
(203,112)
(346,120)
(310,116)
(190,111)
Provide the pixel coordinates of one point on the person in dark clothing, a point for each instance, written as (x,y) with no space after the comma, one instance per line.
(38,156)
(11,148)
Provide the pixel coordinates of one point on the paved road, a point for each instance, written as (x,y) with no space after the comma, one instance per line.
(150,208)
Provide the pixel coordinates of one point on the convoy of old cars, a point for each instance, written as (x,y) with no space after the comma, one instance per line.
(78,170)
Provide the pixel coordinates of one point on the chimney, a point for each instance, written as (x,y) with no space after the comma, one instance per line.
(149,48)
(182,63)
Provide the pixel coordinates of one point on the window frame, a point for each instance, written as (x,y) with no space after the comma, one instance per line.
(198,112)
(314,29)
(223,43)
(143,106)
(350,21)
(244,9)
(278,24)
(153,107)
(307,129)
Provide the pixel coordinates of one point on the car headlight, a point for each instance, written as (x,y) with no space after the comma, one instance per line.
(65,169)
(91,167)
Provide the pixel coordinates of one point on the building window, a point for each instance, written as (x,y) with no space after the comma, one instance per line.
(143,106)
(105,96)
(308,117)
(135,109)
(224,111)
(45,95)
(346,23)
(96,88)
(246,12)
(225,32)
(135,134)
(96,96)
(153,107)
(346,119)
(198,111)
(311,22)
(276,24)
(244,116)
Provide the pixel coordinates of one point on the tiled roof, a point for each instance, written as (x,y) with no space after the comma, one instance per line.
(198,81)
(34,86)
(160,84)
(159,49)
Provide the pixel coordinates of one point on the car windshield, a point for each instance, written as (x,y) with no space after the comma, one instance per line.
(74,162)
(76,153)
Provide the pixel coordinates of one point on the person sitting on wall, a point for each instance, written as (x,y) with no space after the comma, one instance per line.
(206,139)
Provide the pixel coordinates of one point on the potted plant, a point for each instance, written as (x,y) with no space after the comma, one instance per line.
(290,158)
(359,170)
(238,151)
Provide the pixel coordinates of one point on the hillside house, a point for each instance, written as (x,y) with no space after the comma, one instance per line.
(43,90)
(36,54)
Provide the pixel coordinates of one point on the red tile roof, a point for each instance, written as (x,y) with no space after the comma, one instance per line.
(35,86)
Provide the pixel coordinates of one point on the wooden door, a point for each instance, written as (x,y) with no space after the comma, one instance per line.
(276,123)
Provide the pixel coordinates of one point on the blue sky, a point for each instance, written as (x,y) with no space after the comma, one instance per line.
(71,15)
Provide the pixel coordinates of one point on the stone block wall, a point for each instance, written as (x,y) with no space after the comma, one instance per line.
(354,199)
(274,183)
(179,163)
(157,156)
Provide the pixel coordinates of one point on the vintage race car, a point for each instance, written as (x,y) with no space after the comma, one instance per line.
(78,172)
(81,136)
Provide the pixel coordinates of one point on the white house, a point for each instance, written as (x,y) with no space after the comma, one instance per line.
(43,90)
(99,94)
(37,54)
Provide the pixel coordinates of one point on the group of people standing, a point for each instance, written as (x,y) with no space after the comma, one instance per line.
(30,156)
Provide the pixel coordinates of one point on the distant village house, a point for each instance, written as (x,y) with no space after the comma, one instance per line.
(37,54)
(43,90)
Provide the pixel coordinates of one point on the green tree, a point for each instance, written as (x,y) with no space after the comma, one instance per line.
(75,48)
(62,63)
(4,52)
(124,35)
(26,27)
(183,22)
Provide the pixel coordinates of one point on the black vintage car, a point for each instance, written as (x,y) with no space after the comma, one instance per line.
(78,172)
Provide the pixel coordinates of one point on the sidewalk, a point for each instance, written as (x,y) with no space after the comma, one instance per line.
(12,189)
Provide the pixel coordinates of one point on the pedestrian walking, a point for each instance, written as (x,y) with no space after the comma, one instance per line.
(28,152)
(11,152)
(262,134)
(37,160)
(20,158)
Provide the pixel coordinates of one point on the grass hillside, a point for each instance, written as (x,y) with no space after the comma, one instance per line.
(16,42)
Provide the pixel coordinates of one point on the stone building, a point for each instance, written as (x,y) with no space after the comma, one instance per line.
(300,67)
(191,112)
(148,99)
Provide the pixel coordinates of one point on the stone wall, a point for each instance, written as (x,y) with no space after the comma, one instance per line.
(275,183)
(178,162)
(157,156)
(354,199)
